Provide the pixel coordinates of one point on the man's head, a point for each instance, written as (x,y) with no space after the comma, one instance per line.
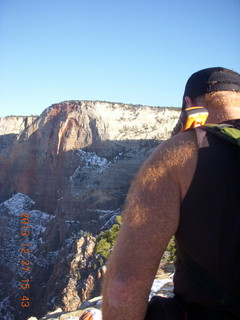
(211,83)
(215,89)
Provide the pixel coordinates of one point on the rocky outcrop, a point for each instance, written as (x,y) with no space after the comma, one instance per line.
(36,277)
(73,276)
(20,231)
(70,169)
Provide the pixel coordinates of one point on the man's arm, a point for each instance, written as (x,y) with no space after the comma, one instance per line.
(150,218)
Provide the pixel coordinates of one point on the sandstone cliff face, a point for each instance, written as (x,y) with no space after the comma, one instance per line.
(75,163)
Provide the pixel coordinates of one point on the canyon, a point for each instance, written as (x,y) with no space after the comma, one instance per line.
(64,175)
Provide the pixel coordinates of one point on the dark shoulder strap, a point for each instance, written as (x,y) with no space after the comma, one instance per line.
(224,131)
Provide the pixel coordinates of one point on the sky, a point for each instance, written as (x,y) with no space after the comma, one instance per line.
(128,51)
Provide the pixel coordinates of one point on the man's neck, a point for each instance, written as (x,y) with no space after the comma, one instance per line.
(227,113)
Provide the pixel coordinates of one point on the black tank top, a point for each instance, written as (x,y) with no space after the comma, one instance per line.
(209,228)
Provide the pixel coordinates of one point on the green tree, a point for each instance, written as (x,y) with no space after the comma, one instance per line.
(103,248)
(107,239)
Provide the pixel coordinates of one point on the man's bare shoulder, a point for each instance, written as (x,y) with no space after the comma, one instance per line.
(174,152)
(175,158)
(178,147)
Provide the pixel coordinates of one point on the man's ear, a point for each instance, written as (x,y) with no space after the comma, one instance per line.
(189,102)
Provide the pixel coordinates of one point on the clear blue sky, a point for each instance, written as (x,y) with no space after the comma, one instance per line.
(130,51)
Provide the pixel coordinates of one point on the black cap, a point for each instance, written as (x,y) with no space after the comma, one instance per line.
(211,80)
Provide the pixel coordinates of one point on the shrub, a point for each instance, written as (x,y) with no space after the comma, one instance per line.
(170,253)
(171,249)
(107,239)
(103,248)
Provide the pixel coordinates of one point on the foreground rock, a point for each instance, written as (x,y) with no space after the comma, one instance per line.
(162,286)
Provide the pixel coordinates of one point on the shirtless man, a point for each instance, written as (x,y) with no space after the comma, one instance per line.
(171,195)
